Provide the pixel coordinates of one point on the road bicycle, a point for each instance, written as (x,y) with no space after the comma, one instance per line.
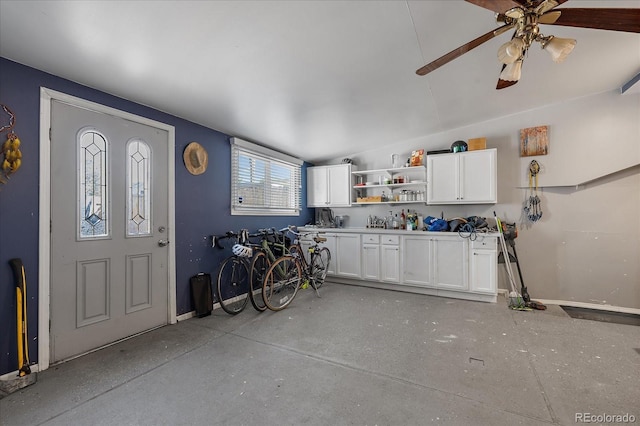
(233,281)
(273,245)
(288,273)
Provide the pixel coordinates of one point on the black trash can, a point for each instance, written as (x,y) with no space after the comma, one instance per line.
(201,294)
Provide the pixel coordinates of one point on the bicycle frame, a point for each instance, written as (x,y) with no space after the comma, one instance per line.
(306,266)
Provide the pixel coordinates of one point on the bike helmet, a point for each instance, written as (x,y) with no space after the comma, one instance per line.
(242,251)
(459,146)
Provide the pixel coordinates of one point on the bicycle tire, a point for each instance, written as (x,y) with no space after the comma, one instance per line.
(259,266)
(233,285)
(320,265)
(281,283)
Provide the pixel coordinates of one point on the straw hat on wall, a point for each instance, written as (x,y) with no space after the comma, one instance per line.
(196,158)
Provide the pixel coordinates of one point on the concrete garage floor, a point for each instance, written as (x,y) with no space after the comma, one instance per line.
(356,356)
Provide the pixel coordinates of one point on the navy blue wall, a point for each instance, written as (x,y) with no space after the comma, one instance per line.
(202,202)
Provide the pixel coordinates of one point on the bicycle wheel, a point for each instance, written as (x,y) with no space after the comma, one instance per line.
(259,267)
(281,283)
(320,265)
(233,285)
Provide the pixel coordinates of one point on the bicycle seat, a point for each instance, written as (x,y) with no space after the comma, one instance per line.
(319,239)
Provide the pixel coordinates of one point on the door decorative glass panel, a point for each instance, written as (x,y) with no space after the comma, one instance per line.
(93,186)
(138,189)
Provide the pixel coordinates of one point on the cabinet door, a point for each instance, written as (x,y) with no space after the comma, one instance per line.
(348,255)
(317,187)
(442,182)
(451,263)
(390,264)
(371,262)
(331,245)
(483,265)
(339,177)
(478,176)
(416,256)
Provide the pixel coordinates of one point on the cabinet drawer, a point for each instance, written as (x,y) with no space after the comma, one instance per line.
(391,239)
(487,243)
(370,239)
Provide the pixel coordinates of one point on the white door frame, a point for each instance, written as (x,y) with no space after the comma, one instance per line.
(44,245)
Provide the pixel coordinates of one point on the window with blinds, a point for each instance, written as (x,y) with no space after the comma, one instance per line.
(263,181)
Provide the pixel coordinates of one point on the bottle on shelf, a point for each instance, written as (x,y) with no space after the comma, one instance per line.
(395,222)
(403,220)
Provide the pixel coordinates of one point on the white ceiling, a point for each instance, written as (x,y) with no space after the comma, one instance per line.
(315,79)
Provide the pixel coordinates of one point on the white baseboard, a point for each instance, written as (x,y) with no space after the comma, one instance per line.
(192,314)
(186,316)
(590,306)
(13,374)
(572,303)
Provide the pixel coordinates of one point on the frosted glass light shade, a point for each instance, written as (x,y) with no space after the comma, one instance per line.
(512,71)
(511,51)
(559,48)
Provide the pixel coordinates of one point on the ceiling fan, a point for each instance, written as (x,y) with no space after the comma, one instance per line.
(526,16)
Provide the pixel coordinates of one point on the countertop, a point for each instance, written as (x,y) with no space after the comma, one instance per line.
(355,230)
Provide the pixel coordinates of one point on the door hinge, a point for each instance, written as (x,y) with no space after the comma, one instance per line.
(49,134)
(50,226)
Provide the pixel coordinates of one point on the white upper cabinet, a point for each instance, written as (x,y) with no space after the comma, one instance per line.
(462,178)
(329,186)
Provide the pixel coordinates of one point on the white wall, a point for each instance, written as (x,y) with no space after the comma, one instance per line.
(586,247)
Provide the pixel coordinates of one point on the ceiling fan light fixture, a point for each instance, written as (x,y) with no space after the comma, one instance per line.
(558,48)
(512,72)
(511,51)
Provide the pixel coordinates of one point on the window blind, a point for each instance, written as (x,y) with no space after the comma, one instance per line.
(263,181)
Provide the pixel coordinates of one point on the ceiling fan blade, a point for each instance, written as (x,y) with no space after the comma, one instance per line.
(549,17)
(504,83)
(627,20)
(498,6)
(547,5)
(462,50)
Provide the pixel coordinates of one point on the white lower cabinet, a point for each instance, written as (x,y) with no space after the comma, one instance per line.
(436,262)
(331,245)
(381,258)
(451,263)
(428,263)
(370,257)
(345,254)
(390,259)
(417,262)
(483,264)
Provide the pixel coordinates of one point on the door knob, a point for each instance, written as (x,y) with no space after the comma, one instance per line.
(163,243)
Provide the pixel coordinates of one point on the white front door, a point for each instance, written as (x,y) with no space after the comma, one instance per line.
(109,219)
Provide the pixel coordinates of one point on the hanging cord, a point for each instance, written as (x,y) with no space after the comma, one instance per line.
(12,119)
(10,150)
(533,209)
(468,231)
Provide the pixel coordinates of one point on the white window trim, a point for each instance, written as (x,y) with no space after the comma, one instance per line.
(273,155)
